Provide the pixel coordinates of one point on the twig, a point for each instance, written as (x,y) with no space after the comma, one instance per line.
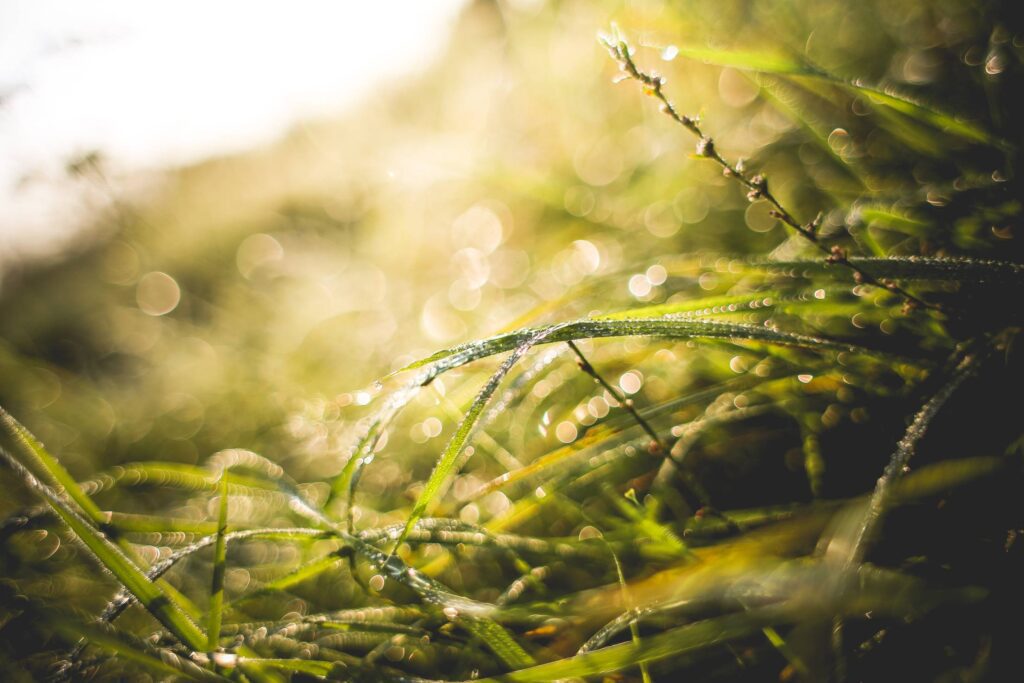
(658,445)
(757,185)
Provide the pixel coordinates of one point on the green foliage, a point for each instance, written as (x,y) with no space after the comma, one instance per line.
(756,425)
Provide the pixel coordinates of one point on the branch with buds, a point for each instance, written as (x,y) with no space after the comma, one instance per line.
(757,185)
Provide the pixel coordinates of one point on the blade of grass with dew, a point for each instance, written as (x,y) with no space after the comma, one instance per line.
(68,488)
(677,641)
(598,435)
(475,616)
(293,578)
(109,556)
(219,565)
(446,464)
(952,269)
(343,486)
(895,220)
(123,600)
(785,95)
(596,328)
(899,462)
(740,302)
(161,661)
(446,531)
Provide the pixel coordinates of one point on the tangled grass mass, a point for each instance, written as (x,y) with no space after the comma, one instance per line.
(722,419)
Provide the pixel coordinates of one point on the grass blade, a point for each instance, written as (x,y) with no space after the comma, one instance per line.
(676,641)
(109,556)
(601,328)
(891,98)
(49,464)
(446,465)
(219,563)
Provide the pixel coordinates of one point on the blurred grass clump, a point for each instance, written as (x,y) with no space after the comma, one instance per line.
(752,425)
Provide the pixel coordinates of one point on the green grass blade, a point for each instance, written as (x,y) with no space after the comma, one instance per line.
(600,328)
(446,465)
(953,269)
(711,305)
(894,219)
(474,616)
(219,564)
(49,464)
(295,577)
(677,641)
(176,475)
(898,463)
(920,111)
(782,65)
(749,60)
(343,485)
(125,599)
(159,661)
(113,559)
(290,665)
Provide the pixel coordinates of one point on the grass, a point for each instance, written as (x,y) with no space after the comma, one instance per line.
(788,452)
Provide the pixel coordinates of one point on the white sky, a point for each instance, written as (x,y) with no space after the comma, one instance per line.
(150,84)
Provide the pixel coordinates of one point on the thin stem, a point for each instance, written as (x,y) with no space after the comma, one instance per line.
(658,445)
(756,185)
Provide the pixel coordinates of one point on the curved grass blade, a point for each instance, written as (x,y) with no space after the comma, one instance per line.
(160,661)
(446,465)
(892,219)
(343,486)
(294,577)
(600,328)
(312,667)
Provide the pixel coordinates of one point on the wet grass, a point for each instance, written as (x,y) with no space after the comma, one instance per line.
(788,453)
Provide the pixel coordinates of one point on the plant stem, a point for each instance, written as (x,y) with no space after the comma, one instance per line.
(757,185)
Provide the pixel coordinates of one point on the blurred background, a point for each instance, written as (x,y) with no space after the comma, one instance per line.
(221,223)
